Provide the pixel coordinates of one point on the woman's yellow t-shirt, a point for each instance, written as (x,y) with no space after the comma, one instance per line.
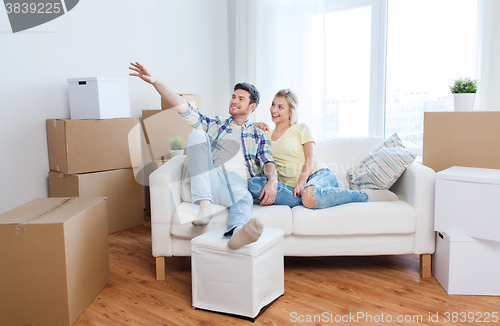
(288,153)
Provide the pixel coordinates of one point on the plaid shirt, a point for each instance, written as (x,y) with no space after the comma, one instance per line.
(256,146)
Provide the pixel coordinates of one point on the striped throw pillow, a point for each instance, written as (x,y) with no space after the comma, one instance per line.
(383,166)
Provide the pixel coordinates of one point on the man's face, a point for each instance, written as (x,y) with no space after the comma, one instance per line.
(240,104)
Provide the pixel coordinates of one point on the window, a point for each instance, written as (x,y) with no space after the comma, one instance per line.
(352,61)
(429,43)
(387,62)
(363,67)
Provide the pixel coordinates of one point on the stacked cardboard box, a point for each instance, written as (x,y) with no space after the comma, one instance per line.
(93,157)
(467,221)
(464,149)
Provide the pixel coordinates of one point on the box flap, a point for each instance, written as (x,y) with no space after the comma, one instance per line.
(466,174)
(48,210)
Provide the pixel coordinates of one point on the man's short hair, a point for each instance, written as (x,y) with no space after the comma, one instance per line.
(254,93)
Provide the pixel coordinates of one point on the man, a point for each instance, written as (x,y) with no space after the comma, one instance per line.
(223,154)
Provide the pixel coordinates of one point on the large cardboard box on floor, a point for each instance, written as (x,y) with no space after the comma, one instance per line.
(54,260)
(123,192)
(469,139)
(79,146)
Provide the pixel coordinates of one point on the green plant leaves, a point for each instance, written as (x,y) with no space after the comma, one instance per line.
(464,85)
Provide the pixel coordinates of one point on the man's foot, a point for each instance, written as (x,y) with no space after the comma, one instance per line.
(204,214)
(381,195)
(246,234)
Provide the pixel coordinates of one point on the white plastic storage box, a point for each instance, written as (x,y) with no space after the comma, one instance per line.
(239,282)
(468,202)
(466,265)
(98,98)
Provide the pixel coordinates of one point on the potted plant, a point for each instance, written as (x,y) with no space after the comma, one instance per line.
(176,146)
(464,93)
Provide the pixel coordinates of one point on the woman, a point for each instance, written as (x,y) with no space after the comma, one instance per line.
(302,181)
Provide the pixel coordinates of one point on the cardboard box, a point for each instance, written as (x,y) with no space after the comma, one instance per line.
(467,202)
(55,260)
(193,99)
(79,146)
(159,127)
(461,139)
(123,192)
(98,98)
(465,265)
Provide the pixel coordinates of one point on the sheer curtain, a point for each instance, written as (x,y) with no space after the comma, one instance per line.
(285,51)
(488,54)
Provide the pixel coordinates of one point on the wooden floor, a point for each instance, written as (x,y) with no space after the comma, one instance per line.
(318,291)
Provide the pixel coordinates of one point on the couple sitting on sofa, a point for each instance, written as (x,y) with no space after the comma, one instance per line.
(226,158)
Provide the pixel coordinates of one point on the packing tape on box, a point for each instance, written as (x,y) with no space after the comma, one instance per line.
(21,226)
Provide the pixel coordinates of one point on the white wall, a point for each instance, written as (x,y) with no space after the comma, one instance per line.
(183,43)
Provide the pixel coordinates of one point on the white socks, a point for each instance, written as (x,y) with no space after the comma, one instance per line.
(381,195)
(204,214)
(246,234)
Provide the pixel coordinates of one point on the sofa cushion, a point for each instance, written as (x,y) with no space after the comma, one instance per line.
(382,167)
(355,218)
(341,154)
(278,216)
(186,212)
(275,216)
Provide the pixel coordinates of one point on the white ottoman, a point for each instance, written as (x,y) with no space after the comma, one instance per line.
(239,282)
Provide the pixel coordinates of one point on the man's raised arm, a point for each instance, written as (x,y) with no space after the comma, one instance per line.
(173,99)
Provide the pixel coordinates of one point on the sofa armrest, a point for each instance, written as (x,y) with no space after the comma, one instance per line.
(416,187)
(165,195)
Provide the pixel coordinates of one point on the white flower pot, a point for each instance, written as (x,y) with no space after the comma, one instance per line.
(175,152)
(464,101)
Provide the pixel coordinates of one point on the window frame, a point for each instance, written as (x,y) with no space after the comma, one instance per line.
(378,57)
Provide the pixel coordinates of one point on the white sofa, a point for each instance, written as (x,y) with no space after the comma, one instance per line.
(373,228)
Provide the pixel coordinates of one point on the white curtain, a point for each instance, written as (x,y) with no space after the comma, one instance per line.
(285,51)
(488,55)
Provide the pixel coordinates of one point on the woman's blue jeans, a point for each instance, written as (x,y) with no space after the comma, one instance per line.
(326,191)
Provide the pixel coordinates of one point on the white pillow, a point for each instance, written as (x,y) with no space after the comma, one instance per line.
(383,166)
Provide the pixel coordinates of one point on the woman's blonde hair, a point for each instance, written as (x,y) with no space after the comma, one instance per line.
(293,103)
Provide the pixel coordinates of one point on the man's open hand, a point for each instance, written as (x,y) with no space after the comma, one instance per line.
(141,72)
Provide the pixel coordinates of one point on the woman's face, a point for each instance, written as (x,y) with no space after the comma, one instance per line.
(280,110)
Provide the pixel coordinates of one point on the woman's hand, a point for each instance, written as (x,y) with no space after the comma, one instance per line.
(141,72)
(297,191)
(261,125)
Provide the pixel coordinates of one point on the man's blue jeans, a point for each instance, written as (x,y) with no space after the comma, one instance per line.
(212,183)
(326,191)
